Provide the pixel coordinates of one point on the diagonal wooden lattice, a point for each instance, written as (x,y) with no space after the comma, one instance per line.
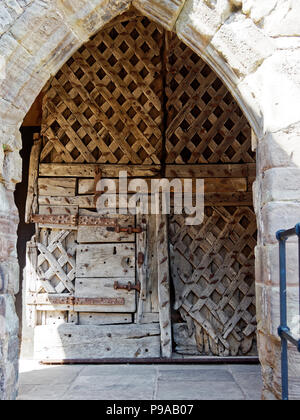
(213,274)
(204,123)
(105,104)
(56,263)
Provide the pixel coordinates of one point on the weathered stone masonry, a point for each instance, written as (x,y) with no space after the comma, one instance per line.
(253,45)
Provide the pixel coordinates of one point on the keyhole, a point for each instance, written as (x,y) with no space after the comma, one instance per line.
(115,251)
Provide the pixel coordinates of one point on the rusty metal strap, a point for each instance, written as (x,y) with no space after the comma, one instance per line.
(73,220)
(76,220)
(72,300)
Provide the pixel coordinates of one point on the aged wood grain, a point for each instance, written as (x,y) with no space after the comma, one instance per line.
(105,260)
(92,318)
(96,342)
(164,285)
(32,192)
(104,288)
(57,187)
(90,234)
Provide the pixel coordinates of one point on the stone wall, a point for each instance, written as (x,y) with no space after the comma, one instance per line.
(253,45)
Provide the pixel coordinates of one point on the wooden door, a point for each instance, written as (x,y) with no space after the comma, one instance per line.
(135,98)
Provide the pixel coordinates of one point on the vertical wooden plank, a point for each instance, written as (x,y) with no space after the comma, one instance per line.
(164,285)
(141,267)
(32,201)
(31,281)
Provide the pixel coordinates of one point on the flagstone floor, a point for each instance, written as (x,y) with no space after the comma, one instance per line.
(139,382)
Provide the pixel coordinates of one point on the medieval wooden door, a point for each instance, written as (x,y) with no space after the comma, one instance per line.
(134,98)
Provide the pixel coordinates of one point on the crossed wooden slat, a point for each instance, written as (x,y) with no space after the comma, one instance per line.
(196,284)
(195,121)
(84,119)
(56,265)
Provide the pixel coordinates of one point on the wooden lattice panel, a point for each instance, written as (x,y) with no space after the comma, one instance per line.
(105,104)
(204,123)
(213,274)
(56,261)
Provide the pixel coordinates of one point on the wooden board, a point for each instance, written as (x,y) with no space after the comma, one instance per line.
(216,199)
(104,288)
(96,342)
(107,260)
(86,186)
(32,191)
(92,318)
(90,234)
(211,171)
(90,170)
(164,285)
(57,187)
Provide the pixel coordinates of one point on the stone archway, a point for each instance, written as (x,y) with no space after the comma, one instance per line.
(249,45)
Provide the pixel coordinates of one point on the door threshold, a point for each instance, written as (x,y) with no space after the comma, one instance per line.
(175,359)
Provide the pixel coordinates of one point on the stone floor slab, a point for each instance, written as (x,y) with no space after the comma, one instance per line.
(139,382)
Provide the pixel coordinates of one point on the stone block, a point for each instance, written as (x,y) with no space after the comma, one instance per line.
(243,45)
(268,309)
(9,11)
(205,16)
(270,358)
(283,20)
(9,276)
(280,184)
(267,264)
(277,216)
(86,17)
(42,31)
(280,149)
(164,12)
(276,86)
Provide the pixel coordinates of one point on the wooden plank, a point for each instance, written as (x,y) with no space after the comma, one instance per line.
(90,170)
(141,269)
(210,171)
(86,186)
(31,201)
(104,288)
(96,342)
(31,282)
(87,201)
(57,187)
(228,199)
(106,260)
(149,318)
(91,234)
(92,318)
(164,285)
(47,302)
(83,201)
(56,318)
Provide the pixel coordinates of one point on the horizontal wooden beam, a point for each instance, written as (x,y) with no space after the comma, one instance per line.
(170,171)
(210,171)
(211,199)
(90,170)
(86,185)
